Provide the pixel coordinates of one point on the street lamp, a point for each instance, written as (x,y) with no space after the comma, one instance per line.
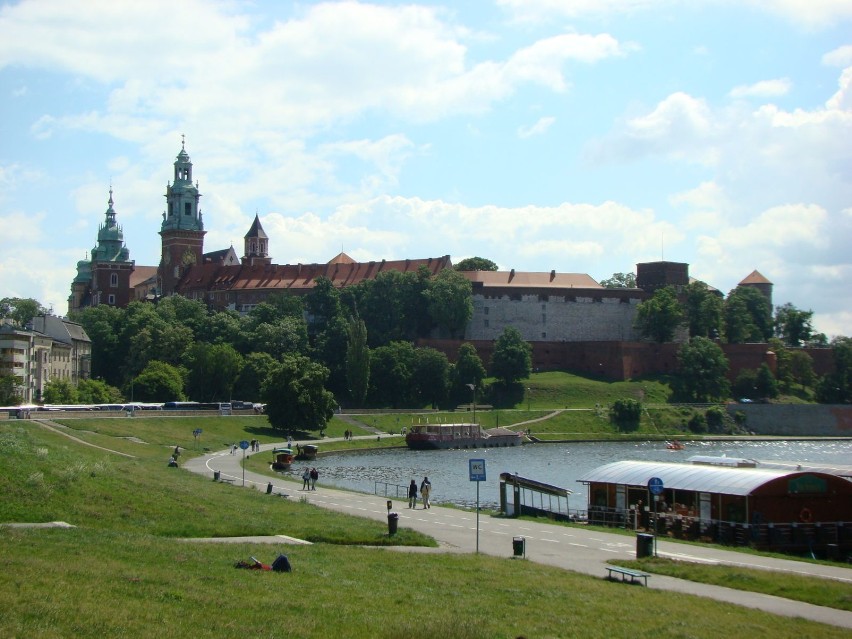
(528,400)
(472,387)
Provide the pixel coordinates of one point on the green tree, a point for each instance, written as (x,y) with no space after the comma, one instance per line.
(657,318)
(284,336)
(178,310)
(105,325)
(700,376)
(450,301)
(159,382)
(20,310)
(802,369)
(476,264)
(748,316)
(322,304)
(9,393)
(391,373)
(393,306)
(60,391)
(625,414)
(620,280)
(511,360)
(357,361)
(703,311)
(468,369)
(256,368)
(745,385)
(212,370)
(715,418)
(222,327)
(836,387)
(330,351)
(295,395)
(97,391)
(765,382)
(431,377)
(793,325)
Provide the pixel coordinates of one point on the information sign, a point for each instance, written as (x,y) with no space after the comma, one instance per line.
(477,470)
(655,485)
(244,444)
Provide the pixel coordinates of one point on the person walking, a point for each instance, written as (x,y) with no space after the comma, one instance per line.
(425,491)
(314,477)
(412,494)
(306,479)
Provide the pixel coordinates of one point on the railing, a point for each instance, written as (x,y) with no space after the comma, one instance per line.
(385,489)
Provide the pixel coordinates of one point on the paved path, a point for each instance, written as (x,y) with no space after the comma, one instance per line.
(571,548)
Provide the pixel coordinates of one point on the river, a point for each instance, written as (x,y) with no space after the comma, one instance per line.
(557,464)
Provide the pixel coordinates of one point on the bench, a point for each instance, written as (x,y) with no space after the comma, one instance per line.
(627,572)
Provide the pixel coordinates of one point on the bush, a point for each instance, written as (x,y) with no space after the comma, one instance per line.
(697,424)
(625,414)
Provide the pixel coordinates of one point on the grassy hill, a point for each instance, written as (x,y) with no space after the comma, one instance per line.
(125,570)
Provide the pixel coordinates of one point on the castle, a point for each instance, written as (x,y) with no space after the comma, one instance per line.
(546,308)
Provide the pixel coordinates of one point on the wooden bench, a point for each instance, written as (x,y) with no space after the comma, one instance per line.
(627,572)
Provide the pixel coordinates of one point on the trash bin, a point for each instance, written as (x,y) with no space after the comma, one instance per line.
(269,488)
(644,545)
(519,546)
(393,522)
(216,475)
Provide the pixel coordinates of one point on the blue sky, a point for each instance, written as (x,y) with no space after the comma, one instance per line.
(581,136)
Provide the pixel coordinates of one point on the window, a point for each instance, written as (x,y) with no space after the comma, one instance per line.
(113,279)
(187,208)
(544,336)
(111,300)
(486,323)
(485,310)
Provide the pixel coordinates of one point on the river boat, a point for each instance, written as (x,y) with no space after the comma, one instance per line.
(308,452)
(675,445)
(445,436)
(282,458)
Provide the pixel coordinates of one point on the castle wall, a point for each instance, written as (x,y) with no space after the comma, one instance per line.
(796,420)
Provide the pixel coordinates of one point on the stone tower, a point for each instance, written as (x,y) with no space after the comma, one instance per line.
(182,231)
(256,245)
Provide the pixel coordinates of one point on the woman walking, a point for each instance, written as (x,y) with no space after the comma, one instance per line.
(425,491)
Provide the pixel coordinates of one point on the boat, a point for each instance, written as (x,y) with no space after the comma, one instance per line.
(675,445)
(307,452)
(282,458)
(444,436)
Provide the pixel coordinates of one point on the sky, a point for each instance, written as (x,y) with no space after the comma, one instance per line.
(579,136)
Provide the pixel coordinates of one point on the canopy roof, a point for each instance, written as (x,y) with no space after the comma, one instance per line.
(711,479)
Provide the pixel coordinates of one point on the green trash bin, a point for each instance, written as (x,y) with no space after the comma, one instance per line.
(519,546)
(393,523)
(644,545)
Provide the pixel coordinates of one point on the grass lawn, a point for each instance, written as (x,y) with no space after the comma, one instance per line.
(125,572)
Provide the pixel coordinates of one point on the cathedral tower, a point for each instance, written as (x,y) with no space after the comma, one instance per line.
(182,231)
(256,243)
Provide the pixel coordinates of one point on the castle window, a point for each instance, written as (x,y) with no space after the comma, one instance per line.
(544,336)
(113,279)
(485,310)
(111,300)
(486,323)
(187,208)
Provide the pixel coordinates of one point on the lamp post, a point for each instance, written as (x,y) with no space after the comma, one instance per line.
(528,400)
(472,387)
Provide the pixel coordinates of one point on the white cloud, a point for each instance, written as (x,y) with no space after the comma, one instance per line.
(839,57)
(539,128)
(763,89)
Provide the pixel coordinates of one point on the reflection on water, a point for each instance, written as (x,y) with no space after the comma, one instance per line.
(557,464)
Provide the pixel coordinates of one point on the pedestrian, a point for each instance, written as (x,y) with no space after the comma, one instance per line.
(425,491)
(412,494)
(306,479)
(314,477)
(289,441)
(234,450)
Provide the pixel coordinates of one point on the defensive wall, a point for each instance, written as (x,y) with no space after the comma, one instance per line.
(796,420)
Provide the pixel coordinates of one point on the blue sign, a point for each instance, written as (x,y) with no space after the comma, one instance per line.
(196,432)
(477,470)
(244,444)
(655,485)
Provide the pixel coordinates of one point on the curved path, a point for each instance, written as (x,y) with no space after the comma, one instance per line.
(571,548)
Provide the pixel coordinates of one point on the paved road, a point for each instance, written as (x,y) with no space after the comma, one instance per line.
(571,548)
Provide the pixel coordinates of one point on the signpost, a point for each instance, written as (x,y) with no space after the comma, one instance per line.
(655,487)
(244,445)
(477,474)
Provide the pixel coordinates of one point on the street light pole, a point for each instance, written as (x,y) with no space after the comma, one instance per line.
(472,387)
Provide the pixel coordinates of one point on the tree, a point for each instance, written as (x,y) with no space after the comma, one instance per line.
(322,303)
(158,382)
(468,369)
(357,361)
(212,370)
(620,280)
(625,414)
(104,325)
(391,372)
(657,318)
(295,395)
(280,337)
(793,325)
(703,311)
(748,316)
(450,301)
(97,391)
(836,387)
(9,394)
(476,264)
(20,310)
(745,385)
(511,360)
(702,367)
(330,350)
(256,368)
(765,382)
(60,391)
(802,369)
(431,376)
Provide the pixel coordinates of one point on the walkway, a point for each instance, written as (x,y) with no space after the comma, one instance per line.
(571,548)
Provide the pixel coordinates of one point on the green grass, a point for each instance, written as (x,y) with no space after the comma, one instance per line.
(820,592)
(123,572)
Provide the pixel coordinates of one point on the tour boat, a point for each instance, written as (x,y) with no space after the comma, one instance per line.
(442,436)
(282,458)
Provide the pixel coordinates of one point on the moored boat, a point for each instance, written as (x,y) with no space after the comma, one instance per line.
(282,458)
(307,452)
(444,436)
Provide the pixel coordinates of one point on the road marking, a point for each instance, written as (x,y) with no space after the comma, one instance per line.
(571,543)
(552,541)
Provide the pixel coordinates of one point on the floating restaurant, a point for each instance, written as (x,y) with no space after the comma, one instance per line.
(785,507)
